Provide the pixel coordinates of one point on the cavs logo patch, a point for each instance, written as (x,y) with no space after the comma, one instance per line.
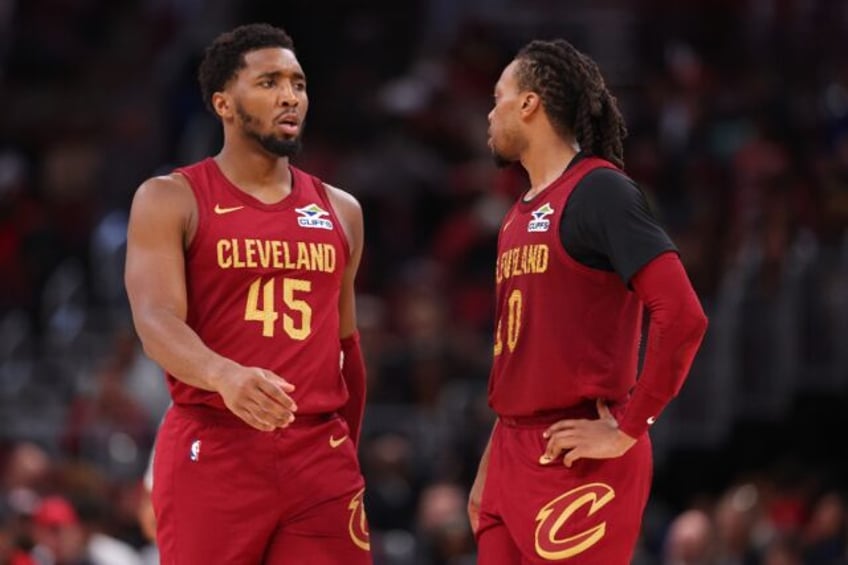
(540,221)
(358,524)
(312,216)
(555,536)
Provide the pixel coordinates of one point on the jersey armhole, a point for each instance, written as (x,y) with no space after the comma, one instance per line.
(191,248)
(325,198)
(591,272)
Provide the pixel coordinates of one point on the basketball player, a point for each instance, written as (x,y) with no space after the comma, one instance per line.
(240,272)
(567,471)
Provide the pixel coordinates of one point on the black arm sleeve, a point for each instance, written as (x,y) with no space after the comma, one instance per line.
(607,225)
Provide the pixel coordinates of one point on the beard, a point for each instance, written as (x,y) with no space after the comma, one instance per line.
(502,154)
(281,147)
(501,162)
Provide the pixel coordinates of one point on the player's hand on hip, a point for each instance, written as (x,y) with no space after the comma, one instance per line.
(590,439)
(259,397)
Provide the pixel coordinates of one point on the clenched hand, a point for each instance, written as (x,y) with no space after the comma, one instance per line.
(259,397)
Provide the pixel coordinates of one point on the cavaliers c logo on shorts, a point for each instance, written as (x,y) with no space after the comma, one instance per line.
(554,516)
(358,524)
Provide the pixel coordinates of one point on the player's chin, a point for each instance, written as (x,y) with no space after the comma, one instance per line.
(287,137)
(501,160)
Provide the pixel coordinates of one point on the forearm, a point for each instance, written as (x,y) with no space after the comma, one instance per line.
(171,343)
(353,373)
(677,327)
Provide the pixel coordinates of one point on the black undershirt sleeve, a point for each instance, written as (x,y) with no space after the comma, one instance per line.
(607,225)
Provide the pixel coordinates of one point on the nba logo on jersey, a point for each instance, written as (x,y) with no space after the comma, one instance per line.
(540,222)
(312,216)
(194,455)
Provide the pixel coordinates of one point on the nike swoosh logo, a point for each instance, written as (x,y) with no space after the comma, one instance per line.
(334,443)
(219,210)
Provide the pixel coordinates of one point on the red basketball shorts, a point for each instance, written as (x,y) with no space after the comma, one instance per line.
(589,514)
(226,493)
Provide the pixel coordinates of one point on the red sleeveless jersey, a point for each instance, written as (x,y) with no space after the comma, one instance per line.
(565,332)
(263,284)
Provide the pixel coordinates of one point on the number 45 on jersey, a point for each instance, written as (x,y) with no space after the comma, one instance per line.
(268,315)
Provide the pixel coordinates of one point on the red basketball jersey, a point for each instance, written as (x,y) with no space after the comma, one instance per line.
(565,332)
(263,285)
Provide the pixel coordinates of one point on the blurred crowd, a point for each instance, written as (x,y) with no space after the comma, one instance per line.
(738,119)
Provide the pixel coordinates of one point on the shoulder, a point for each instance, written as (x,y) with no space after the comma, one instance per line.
(605,193)
(170,188)
(344,202)
(604,183)
(167,197)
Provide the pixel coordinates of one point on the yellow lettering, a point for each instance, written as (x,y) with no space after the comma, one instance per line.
(264,249)
(267,314)
(250,253)
(254,253)
(523,260)
(498,343)
(289,287)
(237,261)
(520,260)
(532,254)
(277,254)
(225,261)
(287,252)
(302,256)
(316,256)
(542,264)
(329,258)
(514,319)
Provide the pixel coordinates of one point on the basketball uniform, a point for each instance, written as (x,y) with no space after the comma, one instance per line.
(566,335)
(263,283)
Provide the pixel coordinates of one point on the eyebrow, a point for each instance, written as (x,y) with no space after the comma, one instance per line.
(296,75)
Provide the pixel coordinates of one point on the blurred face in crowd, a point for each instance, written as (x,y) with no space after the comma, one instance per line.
(65,542)
(267,100)
(507,135)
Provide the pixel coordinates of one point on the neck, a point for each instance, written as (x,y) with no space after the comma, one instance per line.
(545,160)
(254,170)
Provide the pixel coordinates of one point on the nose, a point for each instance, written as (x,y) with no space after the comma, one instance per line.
(287,95)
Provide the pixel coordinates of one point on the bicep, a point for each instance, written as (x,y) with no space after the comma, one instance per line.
(636,239)
(155,264)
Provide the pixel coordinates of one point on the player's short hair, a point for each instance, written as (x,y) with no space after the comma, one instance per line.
(574,96)
(225,56)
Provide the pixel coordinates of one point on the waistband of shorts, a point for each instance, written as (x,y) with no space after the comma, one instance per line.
(586,410)
(216,416)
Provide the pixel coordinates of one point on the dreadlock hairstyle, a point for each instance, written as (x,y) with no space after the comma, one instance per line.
(574,96)
(225,56)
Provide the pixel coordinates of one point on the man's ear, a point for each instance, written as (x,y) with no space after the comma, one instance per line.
(530,103)
(222,104)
